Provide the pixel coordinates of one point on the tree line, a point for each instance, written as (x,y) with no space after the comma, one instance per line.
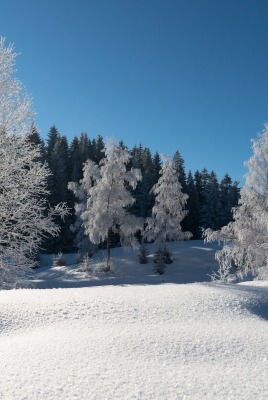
(209,203)
(54,196)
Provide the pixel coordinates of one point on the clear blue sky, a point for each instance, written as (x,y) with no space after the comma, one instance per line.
(190,75)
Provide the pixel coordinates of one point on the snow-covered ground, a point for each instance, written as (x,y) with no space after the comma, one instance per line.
(128,336)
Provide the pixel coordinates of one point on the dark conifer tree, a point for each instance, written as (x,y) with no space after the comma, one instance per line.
(53,136)
(75,161)
(84,148)
(229,196)
(35,138)
(192,219)
(157,165)
(178,164)
(210,212)
(58,162)
(99,154)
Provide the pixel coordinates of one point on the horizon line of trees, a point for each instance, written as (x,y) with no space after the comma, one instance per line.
(209,203)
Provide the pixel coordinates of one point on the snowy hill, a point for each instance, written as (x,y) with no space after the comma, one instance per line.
(145,340)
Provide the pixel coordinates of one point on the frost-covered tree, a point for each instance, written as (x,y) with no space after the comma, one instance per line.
(169,209)
(108,200)
(245,239)
(23,222)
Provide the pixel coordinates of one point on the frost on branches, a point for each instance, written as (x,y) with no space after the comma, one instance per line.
(23,222)
(108,200)
(245,240)
(169,209)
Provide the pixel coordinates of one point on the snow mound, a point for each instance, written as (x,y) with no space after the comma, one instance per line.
(195,341)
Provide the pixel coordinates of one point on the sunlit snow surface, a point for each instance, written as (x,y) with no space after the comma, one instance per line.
(140,341)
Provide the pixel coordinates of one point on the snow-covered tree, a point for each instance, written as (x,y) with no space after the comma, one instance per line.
(23,223)
(245,239)
(80,191)
(108,200)
(169,209)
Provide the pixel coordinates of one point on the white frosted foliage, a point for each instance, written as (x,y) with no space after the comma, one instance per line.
(245,240)
(24,218)
(108,200)
(169,209)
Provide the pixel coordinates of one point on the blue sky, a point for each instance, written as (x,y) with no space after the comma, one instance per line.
(190,75)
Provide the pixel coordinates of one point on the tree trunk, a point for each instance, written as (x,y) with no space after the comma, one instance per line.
(108,252)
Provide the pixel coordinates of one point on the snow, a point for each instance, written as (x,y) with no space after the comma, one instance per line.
(127,336)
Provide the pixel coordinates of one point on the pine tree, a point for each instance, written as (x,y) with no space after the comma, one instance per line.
(99,149)
(192,219)
(178,165)
(53,136)
(108,199)
(229,196)
(157,165)
(58,163)
(169,209)
(75,161)
(210,213)
(85,148)
(34,137)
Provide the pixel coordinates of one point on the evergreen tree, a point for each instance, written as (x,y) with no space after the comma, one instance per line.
(192,219)
(53,136)
(34,137)
(99,149)
(75,161)
(210,213)
(58,162)
(146,161)
(157,165)
(229,196)
(169,208)
(85,148)
(178,165)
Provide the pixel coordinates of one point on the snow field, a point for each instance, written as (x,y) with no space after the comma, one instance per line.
(196,341)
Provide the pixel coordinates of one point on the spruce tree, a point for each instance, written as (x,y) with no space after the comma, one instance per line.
(192,219)
(210,213)
(178,165)
(169,209)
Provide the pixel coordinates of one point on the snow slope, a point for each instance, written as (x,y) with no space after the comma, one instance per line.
(194,261)
(141,341)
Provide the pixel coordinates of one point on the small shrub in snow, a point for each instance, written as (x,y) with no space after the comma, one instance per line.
(159,269)
(87,264)
(163,255)
(59,260)
(143,255)
(79,258)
